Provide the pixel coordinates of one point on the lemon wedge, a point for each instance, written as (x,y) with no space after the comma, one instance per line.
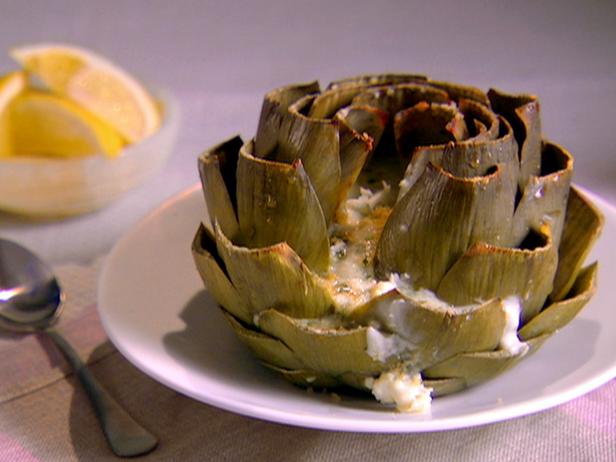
(94,83)
(44,124)
(11,85)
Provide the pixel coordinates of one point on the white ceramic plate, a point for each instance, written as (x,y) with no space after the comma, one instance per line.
(154,309)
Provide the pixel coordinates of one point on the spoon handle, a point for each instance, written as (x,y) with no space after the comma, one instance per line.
(125,436)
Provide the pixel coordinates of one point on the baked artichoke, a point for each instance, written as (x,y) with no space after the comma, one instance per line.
(395,234)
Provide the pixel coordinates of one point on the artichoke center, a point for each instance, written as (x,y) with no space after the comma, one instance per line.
(354,237)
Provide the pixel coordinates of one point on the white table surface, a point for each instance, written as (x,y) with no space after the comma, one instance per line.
(219,58)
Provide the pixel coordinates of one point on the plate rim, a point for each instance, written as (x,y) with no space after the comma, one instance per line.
(344,423)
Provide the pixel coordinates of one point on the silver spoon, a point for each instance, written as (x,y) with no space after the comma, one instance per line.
(31,300)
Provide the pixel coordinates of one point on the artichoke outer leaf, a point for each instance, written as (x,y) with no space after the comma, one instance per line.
(264,347)
(582,227)
(275,106)
(330,350)
(316,142)
(276,203)
(217,172)
(431,330)
(372,80)
(315,379)
(306,378)
(522,112)
(479,367)
(544,198)
(559,314)
(439,218)
(487,271)
(274,276)
(443,387)
(213,274)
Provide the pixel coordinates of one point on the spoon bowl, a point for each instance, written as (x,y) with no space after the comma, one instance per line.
(30,296)
(30,301)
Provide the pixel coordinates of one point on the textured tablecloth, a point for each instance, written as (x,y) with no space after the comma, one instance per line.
(45,415)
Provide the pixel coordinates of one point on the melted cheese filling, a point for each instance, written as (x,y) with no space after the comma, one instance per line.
(406,391)
(360,222)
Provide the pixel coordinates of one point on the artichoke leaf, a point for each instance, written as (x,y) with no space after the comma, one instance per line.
(371,80)
(217,172)
(364,119)
(355,149)
(276,203)
(428,124)
(326,104)
(558,314)
(487,271)
(212,272)
(306,378)
(438,219)
(583,224)
(544,198)
(275,107)
(475,157)
(393,99)
(457,92)
(274,276)
(264,347)
(477,367)
(397,98)
(311,379)
(467,159)
(331,350)
(430,329)
(485,122)
(316,142)
(442,387)
(522,112)
(316,379)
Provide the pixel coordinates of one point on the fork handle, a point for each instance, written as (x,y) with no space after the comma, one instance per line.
(125,436)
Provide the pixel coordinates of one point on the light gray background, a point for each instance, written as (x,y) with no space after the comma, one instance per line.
(219,58)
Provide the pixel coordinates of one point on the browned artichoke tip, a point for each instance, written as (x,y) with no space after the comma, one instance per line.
(466,261)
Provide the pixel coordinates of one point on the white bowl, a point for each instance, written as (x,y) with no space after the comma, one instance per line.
(61,187)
